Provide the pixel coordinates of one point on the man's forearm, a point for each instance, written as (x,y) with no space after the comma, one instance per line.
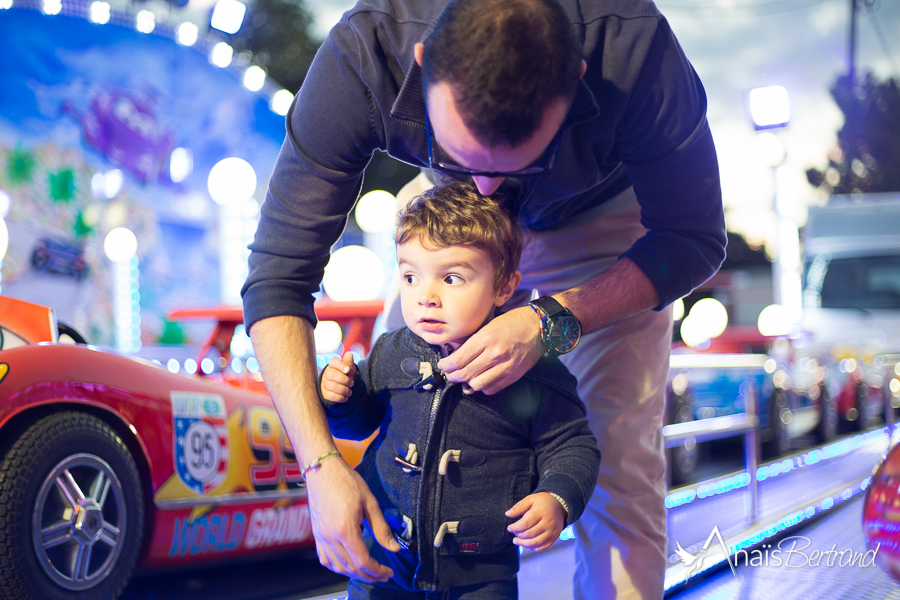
(618,293)
(286,352)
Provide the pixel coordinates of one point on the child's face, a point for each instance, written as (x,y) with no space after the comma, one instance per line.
(446,295)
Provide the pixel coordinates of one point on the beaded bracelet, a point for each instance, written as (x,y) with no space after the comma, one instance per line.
(315,464)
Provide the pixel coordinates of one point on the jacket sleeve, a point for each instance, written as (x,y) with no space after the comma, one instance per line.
(362,413)
(568,458)
(667,147)
(331,134)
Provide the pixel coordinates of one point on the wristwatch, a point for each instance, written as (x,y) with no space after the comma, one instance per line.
(560,329)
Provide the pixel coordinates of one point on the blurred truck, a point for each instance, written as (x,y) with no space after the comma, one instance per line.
(851,301)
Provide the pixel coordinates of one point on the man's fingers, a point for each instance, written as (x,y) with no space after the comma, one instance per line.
(364,566)
(464,361)
(380,527)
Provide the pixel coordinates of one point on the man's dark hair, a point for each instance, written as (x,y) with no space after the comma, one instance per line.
(505,61)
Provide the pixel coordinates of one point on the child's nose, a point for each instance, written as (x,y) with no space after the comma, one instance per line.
(429,298)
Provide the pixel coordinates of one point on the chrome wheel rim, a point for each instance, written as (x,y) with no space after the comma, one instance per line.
(79,522)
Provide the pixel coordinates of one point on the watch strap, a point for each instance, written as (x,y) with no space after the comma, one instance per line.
(548,306)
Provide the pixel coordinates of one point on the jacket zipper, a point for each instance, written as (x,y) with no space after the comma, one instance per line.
(432,417)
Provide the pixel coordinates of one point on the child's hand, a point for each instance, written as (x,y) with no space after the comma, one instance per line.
(337,380)
(543,519)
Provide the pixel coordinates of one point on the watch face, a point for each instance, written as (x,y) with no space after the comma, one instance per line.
(565,331)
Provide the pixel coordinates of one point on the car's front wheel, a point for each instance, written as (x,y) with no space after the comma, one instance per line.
(71,511)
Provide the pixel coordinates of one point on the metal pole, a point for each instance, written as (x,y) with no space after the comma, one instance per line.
(851,52)
(751,448)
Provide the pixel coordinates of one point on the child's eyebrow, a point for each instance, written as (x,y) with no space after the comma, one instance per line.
(457,265)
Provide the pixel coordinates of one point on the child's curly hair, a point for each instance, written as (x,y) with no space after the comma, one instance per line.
(453,213)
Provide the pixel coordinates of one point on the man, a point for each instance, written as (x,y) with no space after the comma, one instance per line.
(589,115)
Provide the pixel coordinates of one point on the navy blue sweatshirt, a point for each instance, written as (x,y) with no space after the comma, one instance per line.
(638,117)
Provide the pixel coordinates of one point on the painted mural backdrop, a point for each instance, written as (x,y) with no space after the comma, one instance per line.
(89,117)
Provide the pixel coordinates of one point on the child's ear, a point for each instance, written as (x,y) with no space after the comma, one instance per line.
(506,292)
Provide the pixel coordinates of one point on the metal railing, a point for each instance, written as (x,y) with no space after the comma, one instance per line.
(714,428)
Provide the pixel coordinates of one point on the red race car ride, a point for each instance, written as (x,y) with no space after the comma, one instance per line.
(110,463)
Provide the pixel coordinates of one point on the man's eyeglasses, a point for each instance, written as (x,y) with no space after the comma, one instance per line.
(445,163)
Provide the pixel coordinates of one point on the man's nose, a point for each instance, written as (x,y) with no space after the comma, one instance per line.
(487,185)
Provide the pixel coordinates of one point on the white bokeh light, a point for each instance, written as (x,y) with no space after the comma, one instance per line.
(227,16)
(770,106)
(221,55)
(231,181)
(4,204)
(254,78)
(4,238)
(187,34)
(353,273)
(145,21)
(328,336)
(774,320)
(692,331)
(711,315)
(181,163)
(107,185)
(51,7)
(120,244)
(376,212)
(678,309)
(100,12)
(281,102)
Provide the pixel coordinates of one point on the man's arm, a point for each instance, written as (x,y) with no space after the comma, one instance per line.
(509,345)
(339,499)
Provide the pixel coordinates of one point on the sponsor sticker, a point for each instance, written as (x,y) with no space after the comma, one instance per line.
(201,440)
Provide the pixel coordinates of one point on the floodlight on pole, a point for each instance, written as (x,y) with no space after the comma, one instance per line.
(769,107)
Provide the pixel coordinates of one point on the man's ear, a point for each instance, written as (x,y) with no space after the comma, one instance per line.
(506,292)
(580,76)
(419,51)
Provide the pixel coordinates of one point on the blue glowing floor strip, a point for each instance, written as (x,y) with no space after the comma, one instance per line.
(680,574)
(741,479)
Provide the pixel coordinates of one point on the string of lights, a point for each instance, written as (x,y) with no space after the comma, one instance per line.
(169,24)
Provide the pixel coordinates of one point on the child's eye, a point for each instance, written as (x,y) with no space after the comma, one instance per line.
(453,279)
(410,278)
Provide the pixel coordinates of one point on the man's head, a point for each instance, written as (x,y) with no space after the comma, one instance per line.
(458,252)
(499,76)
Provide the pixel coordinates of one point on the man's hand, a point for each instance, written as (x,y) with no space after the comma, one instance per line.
(498,354)
(339,501)
(337,380)
(543,519)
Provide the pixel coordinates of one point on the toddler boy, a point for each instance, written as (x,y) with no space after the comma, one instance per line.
(462,478)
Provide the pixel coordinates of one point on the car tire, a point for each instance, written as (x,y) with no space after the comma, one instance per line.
(778,441)
(68,330)
(50,549)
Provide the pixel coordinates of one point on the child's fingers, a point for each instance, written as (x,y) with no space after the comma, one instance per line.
(520,507)
(349,364)
(335,393)
(528,521)
(535,527)
(336,388)
(337,376)
(535,542)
